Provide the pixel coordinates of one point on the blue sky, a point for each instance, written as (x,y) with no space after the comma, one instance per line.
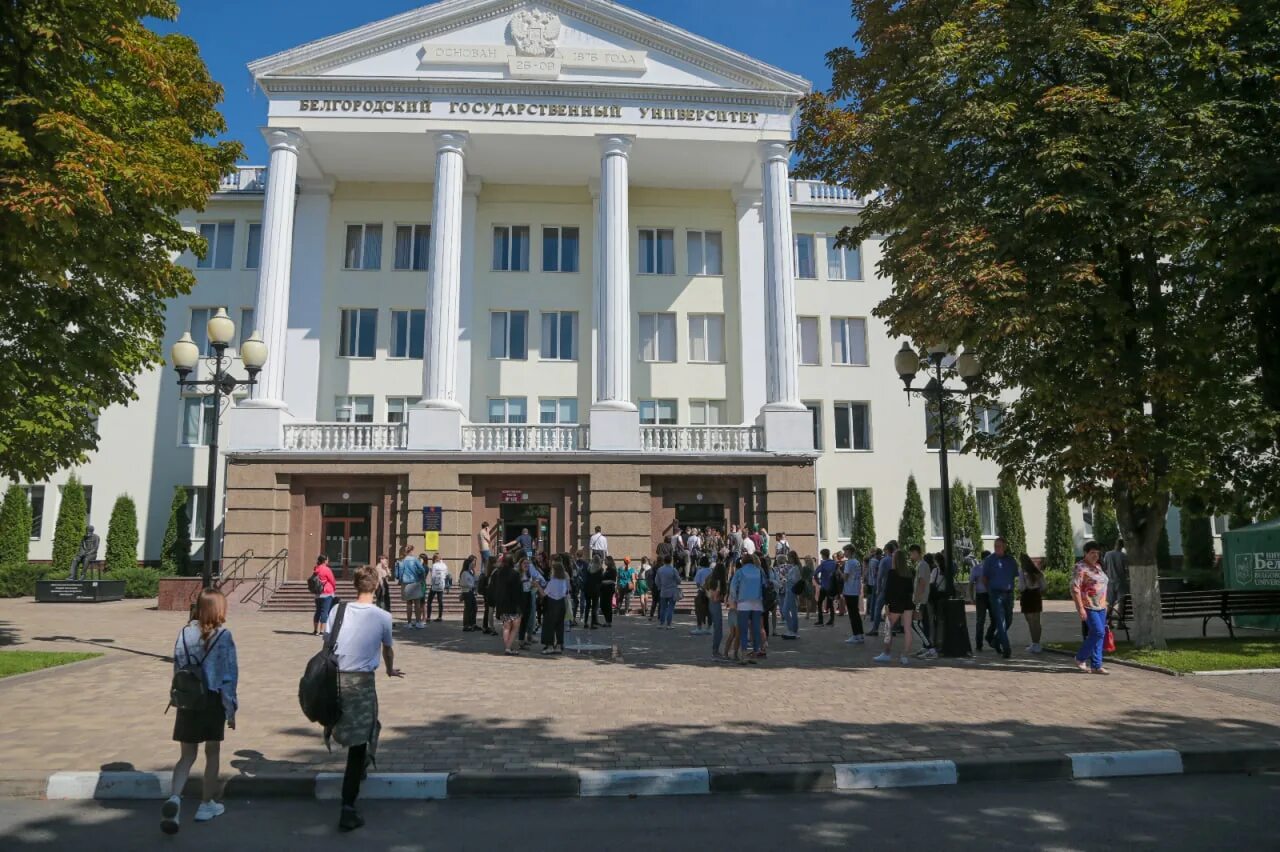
(792,34)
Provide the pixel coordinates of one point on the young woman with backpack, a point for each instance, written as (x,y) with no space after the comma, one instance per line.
(412,575)
(322,584)
(205,674)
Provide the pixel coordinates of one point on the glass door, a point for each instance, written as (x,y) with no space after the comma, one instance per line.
(347,531)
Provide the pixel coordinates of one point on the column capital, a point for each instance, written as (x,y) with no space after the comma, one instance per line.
(745,199)
(284,138)
(450,140)
(775,149)
(615,144)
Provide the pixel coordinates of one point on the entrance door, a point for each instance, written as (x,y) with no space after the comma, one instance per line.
(347,533)
(701,515)
(534,517)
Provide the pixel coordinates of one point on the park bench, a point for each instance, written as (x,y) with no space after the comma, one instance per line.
(1213,603)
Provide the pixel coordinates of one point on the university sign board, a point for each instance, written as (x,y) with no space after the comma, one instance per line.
(432,518)
(512,496)
(1251,560)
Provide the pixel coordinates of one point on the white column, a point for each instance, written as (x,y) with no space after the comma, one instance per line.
(436,422)
(615,421)
(467,327)
(784,417)
(750,302)
(306,300)
(275,263)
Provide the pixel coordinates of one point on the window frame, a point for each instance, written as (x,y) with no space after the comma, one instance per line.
(843,254)
(656,318)
(654,258)
(204,427)
(414,258)
(848,405)
(935,513)
(200,331)
(216,257)
(822,514)
(989,496)
(409,314)
(558,404)
(706,321)
(845,340)
(852,494)
(509,253)
(506,336)
(506,408)
(37,518)
(357,337)
(655,405)
(706,405)
(252,245)
(364,247)
(196,495)
(407,402)
(812,241)
(560,248)
(816,337)
(954,425)
(558,329)
(815,412)
(350,399)
(702,235)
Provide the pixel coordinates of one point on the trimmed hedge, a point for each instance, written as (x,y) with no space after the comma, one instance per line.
(19,580)
(1057,585)
(139,581)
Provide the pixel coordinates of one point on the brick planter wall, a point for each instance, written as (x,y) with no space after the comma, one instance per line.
(178,593)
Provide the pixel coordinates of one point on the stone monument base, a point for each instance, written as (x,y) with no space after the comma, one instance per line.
(79,591)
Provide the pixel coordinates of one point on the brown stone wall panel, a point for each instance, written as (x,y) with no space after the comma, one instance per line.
(253,498)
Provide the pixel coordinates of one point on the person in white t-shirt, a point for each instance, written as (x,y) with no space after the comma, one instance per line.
(748,546)
(439,582)
(599,544)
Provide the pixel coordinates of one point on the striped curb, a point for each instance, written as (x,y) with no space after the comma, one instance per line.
(674,781)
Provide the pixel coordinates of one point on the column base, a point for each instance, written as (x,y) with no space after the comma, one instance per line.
(615,428)
(786,429)
(435,428)
(256,424)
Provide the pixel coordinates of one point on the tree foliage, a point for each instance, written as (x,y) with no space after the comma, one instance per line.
(122,535)
(71,524)
(1057,186)
(960,517)
(1009,523)
(104,129)
(911,524)
(1059,544)
(1106,529)
(1197,542)
(973,518)
(15,526)
(864,523)
(175,547)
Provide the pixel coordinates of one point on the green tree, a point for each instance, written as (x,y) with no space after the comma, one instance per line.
(1046,179)
(1164,558)
(105,134)
(960,515)
(15,526)
(864,523)
(1009,523)
(122,535)
(973,518)
(1059,544)
(911,525)
(70,528)
(1106,529)
(175,548)
(1197,542)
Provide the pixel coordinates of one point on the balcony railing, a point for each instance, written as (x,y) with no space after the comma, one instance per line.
(523,438)
(824,194)
(244,179)
(701,439)
(346,437)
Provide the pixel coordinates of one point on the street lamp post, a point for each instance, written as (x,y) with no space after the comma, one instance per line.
(185,356)
(908,362)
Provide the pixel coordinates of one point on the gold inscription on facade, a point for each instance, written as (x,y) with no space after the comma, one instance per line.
(489,109)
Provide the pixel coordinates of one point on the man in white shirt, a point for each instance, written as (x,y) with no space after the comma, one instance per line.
(748,546)
(598,545)
(439,582)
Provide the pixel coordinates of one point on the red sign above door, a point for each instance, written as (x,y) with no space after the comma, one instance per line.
(513,496)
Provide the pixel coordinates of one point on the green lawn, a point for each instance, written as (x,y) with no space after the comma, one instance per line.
(21,662)
(1201,655)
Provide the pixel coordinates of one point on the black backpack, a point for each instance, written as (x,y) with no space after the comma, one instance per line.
(187,690)
(318,688)
(315,585)
(769,592)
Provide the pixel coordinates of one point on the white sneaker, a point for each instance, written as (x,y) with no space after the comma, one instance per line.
(882,657)
(209,810)
(852,640)
(1034,648)
(931,654)
(169,813)
(858,640)
(905,660)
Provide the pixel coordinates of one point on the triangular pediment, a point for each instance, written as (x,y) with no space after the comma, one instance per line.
(593,42)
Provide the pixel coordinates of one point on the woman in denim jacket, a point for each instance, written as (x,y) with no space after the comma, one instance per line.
(746,591)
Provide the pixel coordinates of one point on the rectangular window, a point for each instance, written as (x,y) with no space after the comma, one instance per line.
(35,499)
(196,495)
(657,337)
(408,333)
(822,514)
(560,249)
(413,247)
(843,264)
(199,329)
(358,334)
(353,409)
(1221,524)
(509,409)
(849,341)
(658,412)
(364,247)
(706,338)
(815,411)
(248,324)
(807,336)
(197,420)
(511,248)
(935,513)
(657,251)
(853,426)
(806,267)
(705,255)
(221,237)
(954,435)
(706,412)
(253,246)
(844,509)
(509,335)
(987,419)
(987,511)
(398,407)
(563,410)
(559,335)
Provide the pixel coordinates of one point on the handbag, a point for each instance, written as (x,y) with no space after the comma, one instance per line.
(1109,643)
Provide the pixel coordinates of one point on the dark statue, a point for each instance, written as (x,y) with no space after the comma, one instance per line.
(87,555)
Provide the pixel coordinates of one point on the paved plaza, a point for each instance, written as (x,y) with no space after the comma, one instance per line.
(644,698)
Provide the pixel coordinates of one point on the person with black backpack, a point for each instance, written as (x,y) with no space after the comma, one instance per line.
(203,690)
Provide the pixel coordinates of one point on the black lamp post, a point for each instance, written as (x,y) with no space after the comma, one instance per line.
(186,355)
(908,362)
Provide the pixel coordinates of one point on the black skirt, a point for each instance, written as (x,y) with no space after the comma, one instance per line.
(206,725)
(1032,601)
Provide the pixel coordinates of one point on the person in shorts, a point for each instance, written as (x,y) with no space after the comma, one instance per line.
(206,641)
(508,594)
(899,593)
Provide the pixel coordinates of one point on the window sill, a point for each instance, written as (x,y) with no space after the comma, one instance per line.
(713,363)
(838,364)
(706,274)
(851,450)
(657,274)
(358,357)
(361,269)
(557,360)
(643,361)
(508,270)
(402,358)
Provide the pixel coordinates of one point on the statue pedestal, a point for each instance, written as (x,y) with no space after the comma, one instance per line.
(79,591)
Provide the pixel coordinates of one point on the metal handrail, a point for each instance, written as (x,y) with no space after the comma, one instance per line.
(235,569)
(269,579)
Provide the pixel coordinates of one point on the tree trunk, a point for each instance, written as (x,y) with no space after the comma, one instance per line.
(1144,585)
(1141,525)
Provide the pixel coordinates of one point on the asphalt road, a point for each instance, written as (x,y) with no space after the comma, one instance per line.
(1170,814)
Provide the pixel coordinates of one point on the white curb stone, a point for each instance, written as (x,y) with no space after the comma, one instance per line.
(1117,764)
(391,785)
(905,773)
(644,782)
(108,785)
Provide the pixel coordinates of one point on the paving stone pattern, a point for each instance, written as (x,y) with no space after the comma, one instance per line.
(653,698)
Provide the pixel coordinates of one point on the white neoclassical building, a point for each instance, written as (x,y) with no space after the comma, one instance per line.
(536,264)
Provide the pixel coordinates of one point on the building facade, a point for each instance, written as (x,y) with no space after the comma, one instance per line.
(536,264)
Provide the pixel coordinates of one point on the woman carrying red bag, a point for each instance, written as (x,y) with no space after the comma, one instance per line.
(1089,591)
